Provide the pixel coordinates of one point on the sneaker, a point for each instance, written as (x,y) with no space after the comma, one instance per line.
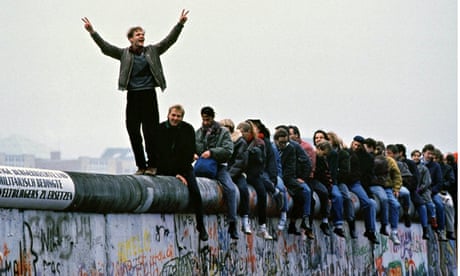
(309,233)
(325,228)
(282,224)
(339,232)
(383,230)
(150,171)
(394,238)
(292,229)
(442,236)
(434,223)
(245,226)
(262,232)
(139,172)
(371,237)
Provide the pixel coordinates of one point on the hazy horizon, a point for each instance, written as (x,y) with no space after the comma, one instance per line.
(386,70)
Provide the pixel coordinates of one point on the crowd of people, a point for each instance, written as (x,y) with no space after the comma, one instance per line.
(282,165)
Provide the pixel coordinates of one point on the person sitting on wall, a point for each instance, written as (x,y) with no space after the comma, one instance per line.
(175,158)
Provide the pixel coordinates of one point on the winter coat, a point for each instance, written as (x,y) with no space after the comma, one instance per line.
(217,140)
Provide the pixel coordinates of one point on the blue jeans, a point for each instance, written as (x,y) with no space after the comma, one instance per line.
(389,205)
(224,178)
(431,209)
(348,208)
(282,188)
(242,184)
(367,205)
(404,196)
(421,209)
(337,206)
(440,214)
(306,192)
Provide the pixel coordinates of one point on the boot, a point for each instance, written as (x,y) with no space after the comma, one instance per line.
(203,235)
(308,230)
(406,218)
(426,234)
(232,230)
(245,225)
(371,237)
(383,230)
(292,229)
(324,226)
(352,227)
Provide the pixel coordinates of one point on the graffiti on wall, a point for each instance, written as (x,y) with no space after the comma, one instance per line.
(50,243)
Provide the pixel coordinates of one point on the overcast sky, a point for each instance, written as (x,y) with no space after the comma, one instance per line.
(381,69)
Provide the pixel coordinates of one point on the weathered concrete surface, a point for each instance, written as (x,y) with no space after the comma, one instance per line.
(144,241)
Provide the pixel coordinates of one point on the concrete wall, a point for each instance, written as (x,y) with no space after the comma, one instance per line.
(71,231)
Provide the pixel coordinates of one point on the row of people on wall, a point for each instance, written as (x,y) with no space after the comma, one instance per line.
(245,155)
(285,166)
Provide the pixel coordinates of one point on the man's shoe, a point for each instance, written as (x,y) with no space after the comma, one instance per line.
(383,230)
(309,233)
(371,237)
(339,232)
(352,227)
(434,223)
(426,235)
(204,235)
(451,236)
(407,221)
(150,171)
(394,238)
(325,228)
(139,172)
(303,223)
(233,231)
(293,230)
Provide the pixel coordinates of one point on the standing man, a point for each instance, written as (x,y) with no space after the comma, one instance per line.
(140,73)
(214,141)
(175,157)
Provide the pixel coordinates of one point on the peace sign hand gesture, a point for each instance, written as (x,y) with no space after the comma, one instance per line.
(183,16)
(88,26)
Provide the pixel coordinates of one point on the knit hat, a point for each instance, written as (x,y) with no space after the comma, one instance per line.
(359,139)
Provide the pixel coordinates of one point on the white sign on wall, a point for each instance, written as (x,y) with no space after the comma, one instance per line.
(26,188)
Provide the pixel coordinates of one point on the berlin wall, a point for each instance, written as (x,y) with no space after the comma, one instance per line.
(66,223)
